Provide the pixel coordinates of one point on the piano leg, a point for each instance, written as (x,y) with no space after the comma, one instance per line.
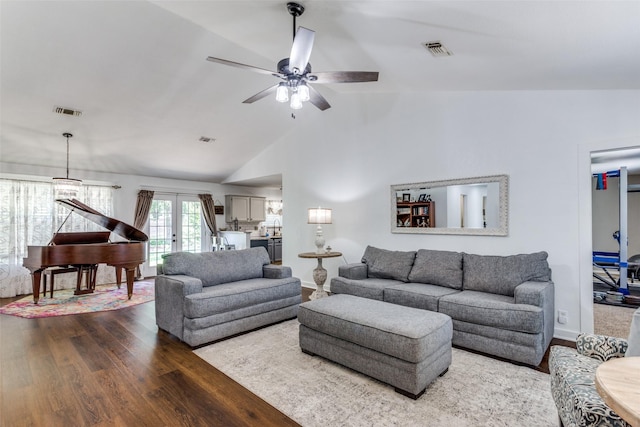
(131,274)
(36,277)
(118,276)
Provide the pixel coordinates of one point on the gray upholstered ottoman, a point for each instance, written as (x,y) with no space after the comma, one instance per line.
(402,346)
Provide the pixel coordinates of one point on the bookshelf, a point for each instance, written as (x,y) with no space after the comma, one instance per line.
(416,214)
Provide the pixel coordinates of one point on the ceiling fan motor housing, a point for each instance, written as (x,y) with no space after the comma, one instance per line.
(283,68)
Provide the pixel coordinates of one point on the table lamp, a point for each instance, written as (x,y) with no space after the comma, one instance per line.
(319,216)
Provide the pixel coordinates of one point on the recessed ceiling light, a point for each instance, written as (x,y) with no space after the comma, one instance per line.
(437,48)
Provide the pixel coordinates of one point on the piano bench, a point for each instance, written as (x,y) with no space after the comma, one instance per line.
(52,271)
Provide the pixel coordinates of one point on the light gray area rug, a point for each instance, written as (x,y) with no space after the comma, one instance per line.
(476,391)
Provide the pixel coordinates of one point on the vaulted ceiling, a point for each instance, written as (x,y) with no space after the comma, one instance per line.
(137,69)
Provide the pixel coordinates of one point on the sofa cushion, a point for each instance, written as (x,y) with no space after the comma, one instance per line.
(501,274)
(416,295)
(367,288)
(214,268)
(442,268)
(384,264)
(238,295)
(494,310)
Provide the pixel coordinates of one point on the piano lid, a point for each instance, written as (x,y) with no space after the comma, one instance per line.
(81,238)
(120,228)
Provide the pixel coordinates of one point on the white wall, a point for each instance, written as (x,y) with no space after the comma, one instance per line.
(347,157)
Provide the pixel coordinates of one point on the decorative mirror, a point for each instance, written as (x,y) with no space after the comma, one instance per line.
(468,206)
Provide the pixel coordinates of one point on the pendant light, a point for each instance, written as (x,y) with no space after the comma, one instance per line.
(67,188)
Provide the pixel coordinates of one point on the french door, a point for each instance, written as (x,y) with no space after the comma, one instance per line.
(175,224)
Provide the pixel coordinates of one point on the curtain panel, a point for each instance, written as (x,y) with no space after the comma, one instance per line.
(140,217)
(208,210)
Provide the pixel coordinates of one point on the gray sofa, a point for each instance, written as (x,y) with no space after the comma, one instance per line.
(207,296)
(500,305)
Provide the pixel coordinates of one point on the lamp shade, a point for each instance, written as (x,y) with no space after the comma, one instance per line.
(296,102)
(67,187)
(282,93)
(319,216)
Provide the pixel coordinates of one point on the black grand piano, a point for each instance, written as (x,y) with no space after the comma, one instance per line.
(89,249)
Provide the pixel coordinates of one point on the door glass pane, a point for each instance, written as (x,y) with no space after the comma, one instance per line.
(160,231)
(191,220)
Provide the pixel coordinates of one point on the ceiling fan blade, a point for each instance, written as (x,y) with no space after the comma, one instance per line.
(343,77)
(318,100)
(301,50)
(244,66)
(258,96)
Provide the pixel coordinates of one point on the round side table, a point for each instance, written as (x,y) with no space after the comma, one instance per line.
(319,273)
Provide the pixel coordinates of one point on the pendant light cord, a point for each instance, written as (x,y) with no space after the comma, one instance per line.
(68,135)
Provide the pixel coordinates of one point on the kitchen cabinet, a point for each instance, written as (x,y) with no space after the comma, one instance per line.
(273,246)
(255,243)
(276,249)
(245,208)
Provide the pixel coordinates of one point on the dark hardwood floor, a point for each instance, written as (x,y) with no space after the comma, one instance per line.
(116,369)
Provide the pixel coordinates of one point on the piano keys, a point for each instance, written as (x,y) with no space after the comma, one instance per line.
(88,249)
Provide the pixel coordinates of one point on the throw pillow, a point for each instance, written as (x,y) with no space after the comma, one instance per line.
(384,264)
(501,274)
(442,268)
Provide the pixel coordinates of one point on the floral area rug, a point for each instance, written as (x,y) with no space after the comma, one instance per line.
(64,302)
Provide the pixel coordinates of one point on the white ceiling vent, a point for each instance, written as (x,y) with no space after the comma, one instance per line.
(437,49)
(67,111)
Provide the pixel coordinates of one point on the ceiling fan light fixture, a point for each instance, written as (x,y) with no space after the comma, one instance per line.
(296,102)
(303,92)
(282,93)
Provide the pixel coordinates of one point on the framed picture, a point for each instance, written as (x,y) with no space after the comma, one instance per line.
(422,198)
(406,197)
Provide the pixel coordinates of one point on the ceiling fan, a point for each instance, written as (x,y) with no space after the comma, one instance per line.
(295,71)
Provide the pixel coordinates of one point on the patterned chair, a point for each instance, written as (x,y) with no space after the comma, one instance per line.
(573,374)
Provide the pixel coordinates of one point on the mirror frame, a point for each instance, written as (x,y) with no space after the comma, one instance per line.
(503,209)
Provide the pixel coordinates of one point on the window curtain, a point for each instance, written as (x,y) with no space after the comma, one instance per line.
(29,216)
(208,210)
(141,215)
(143,206)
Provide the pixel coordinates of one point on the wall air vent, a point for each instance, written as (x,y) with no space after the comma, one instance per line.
(207,139)
(437,49)
(67,111)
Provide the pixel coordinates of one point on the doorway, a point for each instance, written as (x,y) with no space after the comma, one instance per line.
(616,233)
(175,224)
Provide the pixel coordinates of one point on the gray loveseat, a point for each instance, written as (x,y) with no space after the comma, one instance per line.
(500,305)
(207,296)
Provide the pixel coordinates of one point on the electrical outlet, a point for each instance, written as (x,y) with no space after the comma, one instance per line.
(563,317)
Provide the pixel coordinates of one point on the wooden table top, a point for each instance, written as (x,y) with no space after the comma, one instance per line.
(322,255)
(618,382)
